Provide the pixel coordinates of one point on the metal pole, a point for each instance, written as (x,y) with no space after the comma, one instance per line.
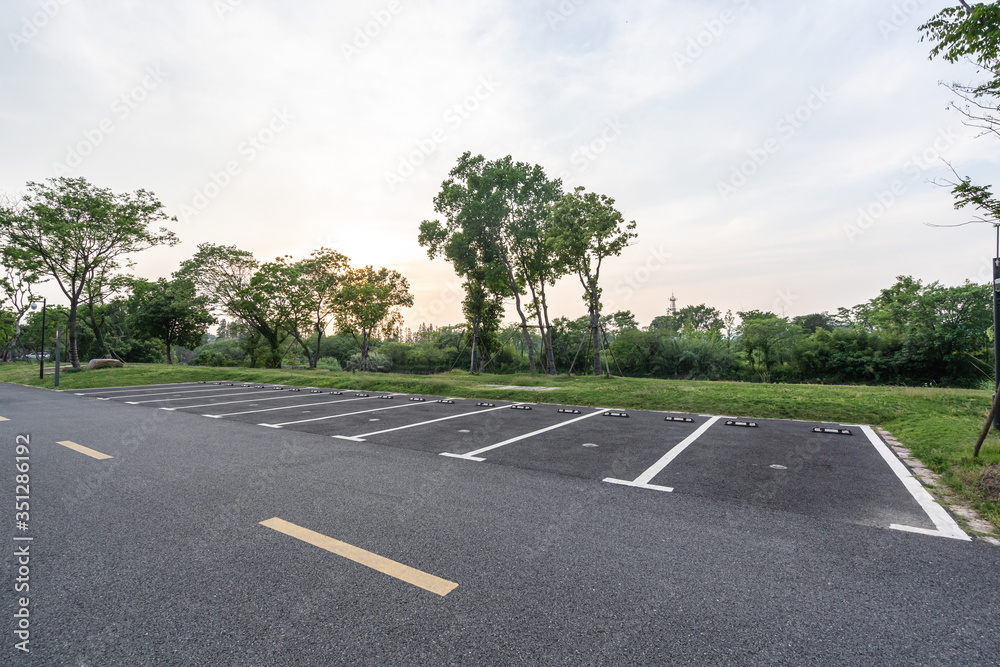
(58,353)
(41,352)
(996,329)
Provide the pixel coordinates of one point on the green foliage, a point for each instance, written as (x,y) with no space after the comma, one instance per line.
(328,363)
(367,306)
(75,232)
(374,362)
(219,352)
(170,312)
(698,318)
(972,33)
(496,217)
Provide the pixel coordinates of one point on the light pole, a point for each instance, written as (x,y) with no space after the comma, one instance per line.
(41,352)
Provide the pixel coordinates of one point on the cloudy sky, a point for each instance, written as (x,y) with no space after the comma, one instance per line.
(775,154)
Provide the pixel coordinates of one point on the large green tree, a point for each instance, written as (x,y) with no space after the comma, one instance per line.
(311,288)
(169,311)
(368,303)
(503,205)
(485,284)
(585,228)
(74,230)
(235,283)
(16,294)
(972,33)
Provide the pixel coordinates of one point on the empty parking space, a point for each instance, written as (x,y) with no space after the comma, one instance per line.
(785,465)
(278,408)
(605,446)
(771,464)
(465,436)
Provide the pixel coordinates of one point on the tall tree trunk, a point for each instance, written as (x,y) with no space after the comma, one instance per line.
(550,356)
(527,336)
(74,356)
(475,337)
(595,328)
(546,348)
(512,282)
(169,345)
(314,357)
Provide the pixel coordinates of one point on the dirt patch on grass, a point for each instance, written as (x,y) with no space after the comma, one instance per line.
(988,483)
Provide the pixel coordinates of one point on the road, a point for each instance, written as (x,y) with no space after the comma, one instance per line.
(330,529)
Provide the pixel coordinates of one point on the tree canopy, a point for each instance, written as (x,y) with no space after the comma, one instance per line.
(71,230)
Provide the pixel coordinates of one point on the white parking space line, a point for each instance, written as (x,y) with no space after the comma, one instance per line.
(346,414)
(360,437)
(251,400)
(187,398)
(150,387)
(474,456)
(285,407)
(642,481)
(170,393)
(946,526)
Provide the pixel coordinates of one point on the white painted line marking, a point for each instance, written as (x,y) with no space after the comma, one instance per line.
(946,526)
(251,401)
(283,407)
(348,437)
(462,456)
(474,456)
(192,398)
(642,481)
(140,387)
(651,487)
(430,421)
(346,414)
(170,393)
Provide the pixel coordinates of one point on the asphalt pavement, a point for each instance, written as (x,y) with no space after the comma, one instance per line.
(413,532)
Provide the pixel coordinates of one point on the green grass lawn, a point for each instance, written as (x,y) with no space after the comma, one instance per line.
(940,426)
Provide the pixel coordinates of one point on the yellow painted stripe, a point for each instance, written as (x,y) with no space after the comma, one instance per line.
(4,419)
(384,565)
(84,450)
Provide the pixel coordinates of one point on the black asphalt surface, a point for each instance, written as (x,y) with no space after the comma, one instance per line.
(157,556)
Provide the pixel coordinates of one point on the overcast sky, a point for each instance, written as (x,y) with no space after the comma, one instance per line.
(775,154)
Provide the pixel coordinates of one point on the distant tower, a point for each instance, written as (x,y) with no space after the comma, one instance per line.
(673,304)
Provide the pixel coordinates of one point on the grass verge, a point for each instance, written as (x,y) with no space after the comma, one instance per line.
(940,426)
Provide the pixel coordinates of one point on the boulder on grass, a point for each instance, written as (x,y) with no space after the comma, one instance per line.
(104,363)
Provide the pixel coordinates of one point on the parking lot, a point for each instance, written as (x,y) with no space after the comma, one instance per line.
(839,472)
(228,524)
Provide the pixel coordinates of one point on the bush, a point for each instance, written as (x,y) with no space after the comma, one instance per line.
(377,362)
(328,363)
(223,352)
